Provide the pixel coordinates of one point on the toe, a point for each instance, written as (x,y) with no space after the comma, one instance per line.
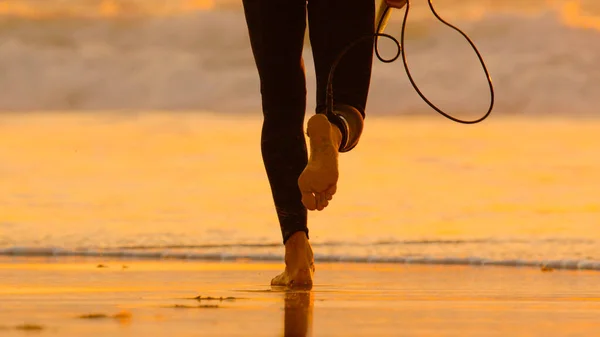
(309,200)
(280,280)
(321,201)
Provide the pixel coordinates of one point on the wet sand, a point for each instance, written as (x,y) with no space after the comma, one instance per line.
(95,297)
(163,179)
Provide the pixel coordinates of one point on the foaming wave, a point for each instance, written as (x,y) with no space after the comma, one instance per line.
(222,256)
(202,61)
(377,243)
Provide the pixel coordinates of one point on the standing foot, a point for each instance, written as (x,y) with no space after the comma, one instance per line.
(299,263)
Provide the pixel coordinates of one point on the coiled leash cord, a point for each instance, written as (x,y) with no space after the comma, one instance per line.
(400,51)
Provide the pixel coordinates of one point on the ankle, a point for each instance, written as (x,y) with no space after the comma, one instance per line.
(296,238)
(298,252)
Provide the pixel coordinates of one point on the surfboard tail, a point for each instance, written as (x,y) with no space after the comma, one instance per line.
(384,10)
(398,4)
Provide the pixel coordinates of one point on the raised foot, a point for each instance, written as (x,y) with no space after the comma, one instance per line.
(318,181)
(299,263)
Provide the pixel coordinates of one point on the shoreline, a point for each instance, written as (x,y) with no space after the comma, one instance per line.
(158,257)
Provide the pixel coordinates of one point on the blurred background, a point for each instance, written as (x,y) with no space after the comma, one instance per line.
(194,55)
(134,126)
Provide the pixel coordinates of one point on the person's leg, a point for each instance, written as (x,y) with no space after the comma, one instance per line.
(276,29)
(334,24)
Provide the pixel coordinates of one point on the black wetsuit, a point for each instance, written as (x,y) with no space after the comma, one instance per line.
(276,29)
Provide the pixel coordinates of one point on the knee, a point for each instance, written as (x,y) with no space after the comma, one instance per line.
(283,86)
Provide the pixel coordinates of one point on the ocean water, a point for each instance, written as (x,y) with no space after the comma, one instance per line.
(195,55)
(131,128)
(512,191)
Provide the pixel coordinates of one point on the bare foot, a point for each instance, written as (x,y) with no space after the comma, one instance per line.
(299,263)
(318,181)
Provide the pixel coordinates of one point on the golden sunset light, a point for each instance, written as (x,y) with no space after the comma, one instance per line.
(263,168)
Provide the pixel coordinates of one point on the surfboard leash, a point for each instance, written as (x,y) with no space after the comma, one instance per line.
(384,13)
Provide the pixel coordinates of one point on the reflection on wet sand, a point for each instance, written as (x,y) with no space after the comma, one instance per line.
(297,319)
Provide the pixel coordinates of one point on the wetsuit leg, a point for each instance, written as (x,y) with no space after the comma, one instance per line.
(276,29)
(333,25)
